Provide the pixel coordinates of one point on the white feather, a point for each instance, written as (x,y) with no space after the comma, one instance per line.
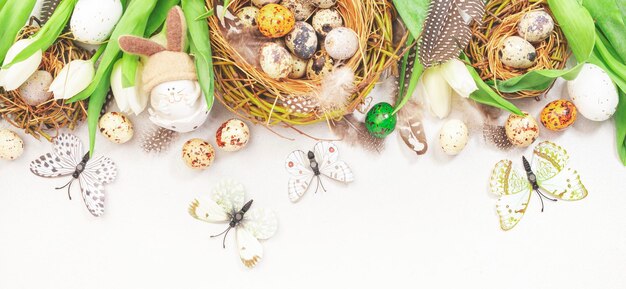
(335,90)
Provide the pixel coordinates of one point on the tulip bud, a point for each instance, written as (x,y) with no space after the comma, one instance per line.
(14,76)
(73,78)
(129,99)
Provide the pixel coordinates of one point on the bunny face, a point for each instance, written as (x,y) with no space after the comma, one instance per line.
(178,105)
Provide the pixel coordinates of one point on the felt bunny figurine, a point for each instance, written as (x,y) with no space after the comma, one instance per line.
(169,76)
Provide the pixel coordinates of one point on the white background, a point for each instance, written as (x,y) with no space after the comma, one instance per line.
(406,221)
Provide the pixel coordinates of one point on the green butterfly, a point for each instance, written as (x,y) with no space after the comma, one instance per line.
(547,173)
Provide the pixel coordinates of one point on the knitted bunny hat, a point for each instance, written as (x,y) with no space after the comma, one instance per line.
(164,64)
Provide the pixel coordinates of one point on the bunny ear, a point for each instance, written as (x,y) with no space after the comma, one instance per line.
(139,46)
(176,29)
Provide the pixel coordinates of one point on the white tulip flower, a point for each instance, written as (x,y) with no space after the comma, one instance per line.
(73,78)
(129,99)
(438,82)
(14,76)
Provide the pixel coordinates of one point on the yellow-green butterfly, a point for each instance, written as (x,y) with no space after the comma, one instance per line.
(547,173)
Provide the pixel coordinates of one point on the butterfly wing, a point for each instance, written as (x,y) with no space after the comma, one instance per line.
(229,195)
(207,210)
(554,176)
(258,224)
(67,154)
(250,249)
(301,174)
(514,191)
(329,163)
(97,173)
(50,166)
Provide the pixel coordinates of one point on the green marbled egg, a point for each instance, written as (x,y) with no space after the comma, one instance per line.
(380,120)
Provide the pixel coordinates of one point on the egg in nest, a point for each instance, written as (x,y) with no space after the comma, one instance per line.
(247,16)
(535,26)
(275,20)
(302,9)
(341,43)
(517,53)
(302,40)
(275,60)
(326,20)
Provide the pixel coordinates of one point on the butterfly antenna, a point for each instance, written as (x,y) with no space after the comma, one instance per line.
(225,233)
(69,186)
(321,183)
(542,196)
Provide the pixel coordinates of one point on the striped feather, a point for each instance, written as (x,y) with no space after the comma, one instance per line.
(47,8)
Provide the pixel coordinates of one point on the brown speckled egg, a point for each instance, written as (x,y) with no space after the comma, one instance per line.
(275,60)
(453,137)
(198,154)
(302,9)
(35,90)
(11,145)
(302,40)
(261,3)
(324,3)
(522,131)
(298,67)
(558,115)
(341,43)
(275,21)
(326,20)
(232,135)
(247,16)
(319,65)
(116,127)
(517,53)
(535,26)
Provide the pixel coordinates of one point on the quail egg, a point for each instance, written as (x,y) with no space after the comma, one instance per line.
(535,26)
(341,43)
(275,60)
(517,53)
(522,131)
(232,135)
(116,127)
(93,21)
(380,120)
(261,3)
(325,20)
(247,16)
(302,40)
(198,154)
(558,115)
(35,90)
(324,3)
(275,21)
(594,93)
(298,67)
(453,137)
(11,145)
(319,65)
(302,9)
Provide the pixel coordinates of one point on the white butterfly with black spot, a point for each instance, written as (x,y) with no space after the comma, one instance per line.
(67,159)
(323,160)
(226,205)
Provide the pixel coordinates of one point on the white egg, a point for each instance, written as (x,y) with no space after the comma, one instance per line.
(535,26)
(35,90)
(116,127)
(275,60)
(594,93)
(11,145)
(93,21)
(453,137)
(341,43)
(517,52)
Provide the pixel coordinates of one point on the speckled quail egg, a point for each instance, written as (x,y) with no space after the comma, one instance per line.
(341,43)
(522,131)
(558,115)
(517,53)
(298,67)
(324,3)
(325,20)
(302,9)
(319,65)
(275,21)
(35,90)
(275,60)
(116,127)
(11,145)
(302,40)
(535,26)
(594,93)
(232,135)
(453,137)
(93,21)
(261,3)
(247,16)
(198,154)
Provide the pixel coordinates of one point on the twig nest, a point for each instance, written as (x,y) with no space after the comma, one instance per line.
(298,67)
(35,90)
(247,16)
(326,20)
(324,3)
(275,60)
(275,20)
(302,40)
(93,21)
(341,43)
(11,145)
(517,53)
(535,26)
(594,93)
(116,127)
(302,9)
(558,115)
(380,120)
(198,154)
(232,135)
(319,65)
(522,131)
(261,3)
(453,137)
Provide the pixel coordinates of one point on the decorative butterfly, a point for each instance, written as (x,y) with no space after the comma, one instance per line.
(226,205)
(548,173)
(323,160)
(67,159)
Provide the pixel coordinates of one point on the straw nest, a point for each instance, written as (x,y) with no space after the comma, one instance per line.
(247,91)
(500,22)
(44,120)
